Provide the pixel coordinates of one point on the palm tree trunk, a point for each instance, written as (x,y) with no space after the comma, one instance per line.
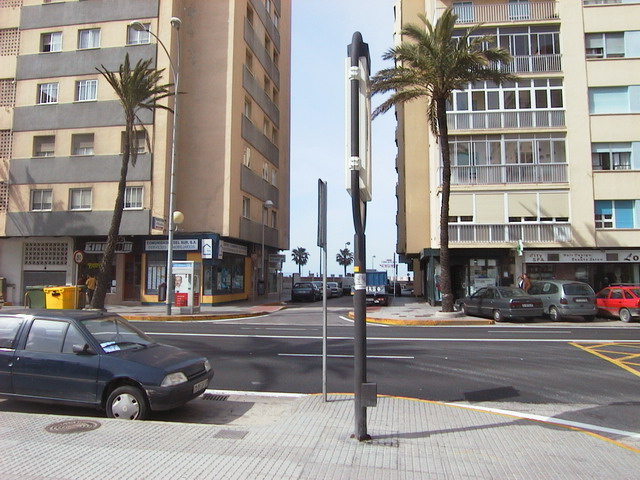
(104,273)
(445,271)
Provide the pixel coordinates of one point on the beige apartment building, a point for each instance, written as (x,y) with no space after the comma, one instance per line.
(61,129)
(545,170)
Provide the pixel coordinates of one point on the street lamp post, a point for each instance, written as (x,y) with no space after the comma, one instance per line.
(265,208)
(175,71)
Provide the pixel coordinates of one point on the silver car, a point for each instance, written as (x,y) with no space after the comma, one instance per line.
(562,298)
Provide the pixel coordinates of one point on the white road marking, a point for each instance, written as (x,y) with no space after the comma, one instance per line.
(395,357)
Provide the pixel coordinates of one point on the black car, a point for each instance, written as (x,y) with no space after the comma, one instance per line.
(305,291)
(500,303)
(95,359)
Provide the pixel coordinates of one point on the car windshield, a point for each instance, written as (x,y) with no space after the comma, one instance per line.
(114,334)
(510,292)
(577,289)
(302,285)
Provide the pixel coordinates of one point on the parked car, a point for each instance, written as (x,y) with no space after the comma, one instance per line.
(319,287)
(619,300)
(305,291)
(334,289)
(561,298)
(95,359)
(501,303)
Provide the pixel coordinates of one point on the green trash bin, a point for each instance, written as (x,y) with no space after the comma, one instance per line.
(35,297)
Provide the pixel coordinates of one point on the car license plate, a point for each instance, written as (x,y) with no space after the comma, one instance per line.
(527,305)
(581,300)
(200,386)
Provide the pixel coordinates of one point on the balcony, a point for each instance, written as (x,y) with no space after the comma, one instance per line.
(506,119)
(513,173)
(505,12)
(532,64)
(512,232)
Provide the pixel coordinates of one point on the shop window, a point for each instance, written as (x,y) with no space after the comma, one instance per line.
(226,277)
(156,272)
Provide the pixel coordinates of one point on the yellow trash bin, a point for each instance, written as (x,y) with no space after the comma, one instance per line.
(67,297)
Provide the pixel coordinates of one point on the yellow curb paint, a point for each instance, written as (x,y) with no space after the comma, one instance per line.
(616,362)
(427,323)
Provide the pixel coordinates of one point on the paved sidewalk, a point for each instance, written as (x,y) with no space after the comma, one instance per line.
(310,439)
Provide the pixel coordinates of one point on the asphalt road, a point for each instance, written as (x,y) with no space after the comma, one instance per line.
(579,372)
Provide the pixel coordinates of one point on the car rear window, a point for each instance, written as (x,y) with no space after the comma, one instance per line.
(577,289)
(8,329)
(635,291)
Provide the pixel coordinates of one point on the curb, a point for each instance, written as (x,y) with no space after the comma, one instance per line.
(437,320)
(198,316)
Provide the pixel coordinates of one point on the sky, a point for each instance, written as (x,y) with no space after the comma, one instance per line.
(321,31)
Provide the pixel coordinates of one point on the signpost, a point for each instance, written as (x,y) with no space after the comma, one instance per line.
(358,169)
(322,243)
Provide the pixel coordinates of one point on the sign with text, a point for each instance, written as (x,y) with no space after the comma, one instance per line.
(584,256)
(190,244)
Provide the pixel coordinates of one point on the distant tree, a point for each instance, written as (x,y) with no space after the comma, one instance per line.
(435,61)
(345,258)
(137,89)
(300,256)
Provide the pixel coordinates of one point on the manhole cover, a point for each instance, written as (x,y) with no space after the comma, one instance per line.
(231,434)
(72,426)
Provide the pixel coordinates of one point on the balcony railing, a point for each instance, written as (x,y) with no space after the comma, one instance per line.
(519,173)
(532,64)
(505,12)
(510,119)
(501,233)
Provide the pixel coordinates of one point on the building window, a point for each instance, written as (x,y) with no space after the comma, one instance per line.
(464,11)
(136,37)
(247,108)
(246,207)
(250,15)
(44,146)
(610,214)
(133,197)
(519,9)
(82,144)
(140,142)
(248,61)
(41,200)
(265,171)
(461,219)
(89,38)
(612,156)
(274,177)
(274,219)
(51,42)
(246,157)
(605,45)
(604,100)
(47,93)
(527,94)
(80,199)
(86,90)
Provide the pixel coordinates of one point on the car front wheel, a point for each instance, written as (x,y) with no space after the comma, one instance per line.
(625,315)
(128,403)
(554,314)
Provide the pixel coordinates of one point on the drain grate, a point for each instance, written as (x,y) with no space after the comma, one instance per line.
(231,434)
(72,426)
(215,398)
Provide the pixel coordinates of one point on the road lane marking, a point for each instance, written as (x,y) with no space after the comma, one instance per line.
(605,351)
(393,357)
(399,339)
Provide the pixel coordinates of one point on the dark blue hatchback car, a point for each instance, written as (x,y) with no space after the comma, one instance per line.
(95,359)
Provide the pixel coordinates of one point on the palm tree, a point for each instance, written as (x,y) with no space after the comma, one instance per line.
(300,256)
(137,89)
(345,258)
(431,65)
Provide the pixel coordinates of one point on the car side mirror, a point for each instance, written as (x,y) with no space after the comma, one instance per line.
(83,350)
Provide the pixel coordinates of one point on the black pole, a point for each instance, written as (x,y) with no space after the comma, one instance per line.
(356,50)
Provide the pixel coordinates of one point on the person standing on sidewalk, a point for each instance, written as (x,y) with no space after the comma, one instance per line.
(91,284)
(524,283)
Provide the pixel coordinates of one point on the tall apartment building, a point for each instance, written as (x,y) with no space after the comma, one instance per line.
(546,169)
(61,129)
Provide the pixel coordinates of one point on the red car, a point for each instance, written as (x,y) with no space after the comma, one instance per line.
(619,300)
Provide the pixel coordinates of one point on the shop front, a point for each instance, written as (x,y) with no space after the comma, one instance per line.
(225,267)
(598,268)
(471,269)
